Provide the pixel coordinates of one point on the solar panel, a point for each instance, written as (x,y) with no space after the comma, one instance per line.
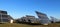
(43,17)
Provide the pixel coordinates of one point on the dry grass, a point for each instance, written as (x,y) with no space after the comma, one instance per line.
(26,25)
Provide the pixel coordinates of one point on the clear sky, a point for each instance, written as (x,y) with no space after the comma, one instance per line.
(19,8)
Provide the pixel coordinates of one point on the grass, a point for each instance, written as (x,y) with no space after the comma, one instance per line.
(26,25)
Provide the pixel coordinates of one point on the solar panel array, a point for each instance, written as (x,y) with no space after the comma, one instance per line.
(4,17)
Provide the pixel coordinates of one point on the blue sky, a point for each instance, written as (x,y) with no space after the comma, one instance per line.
(19,8)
